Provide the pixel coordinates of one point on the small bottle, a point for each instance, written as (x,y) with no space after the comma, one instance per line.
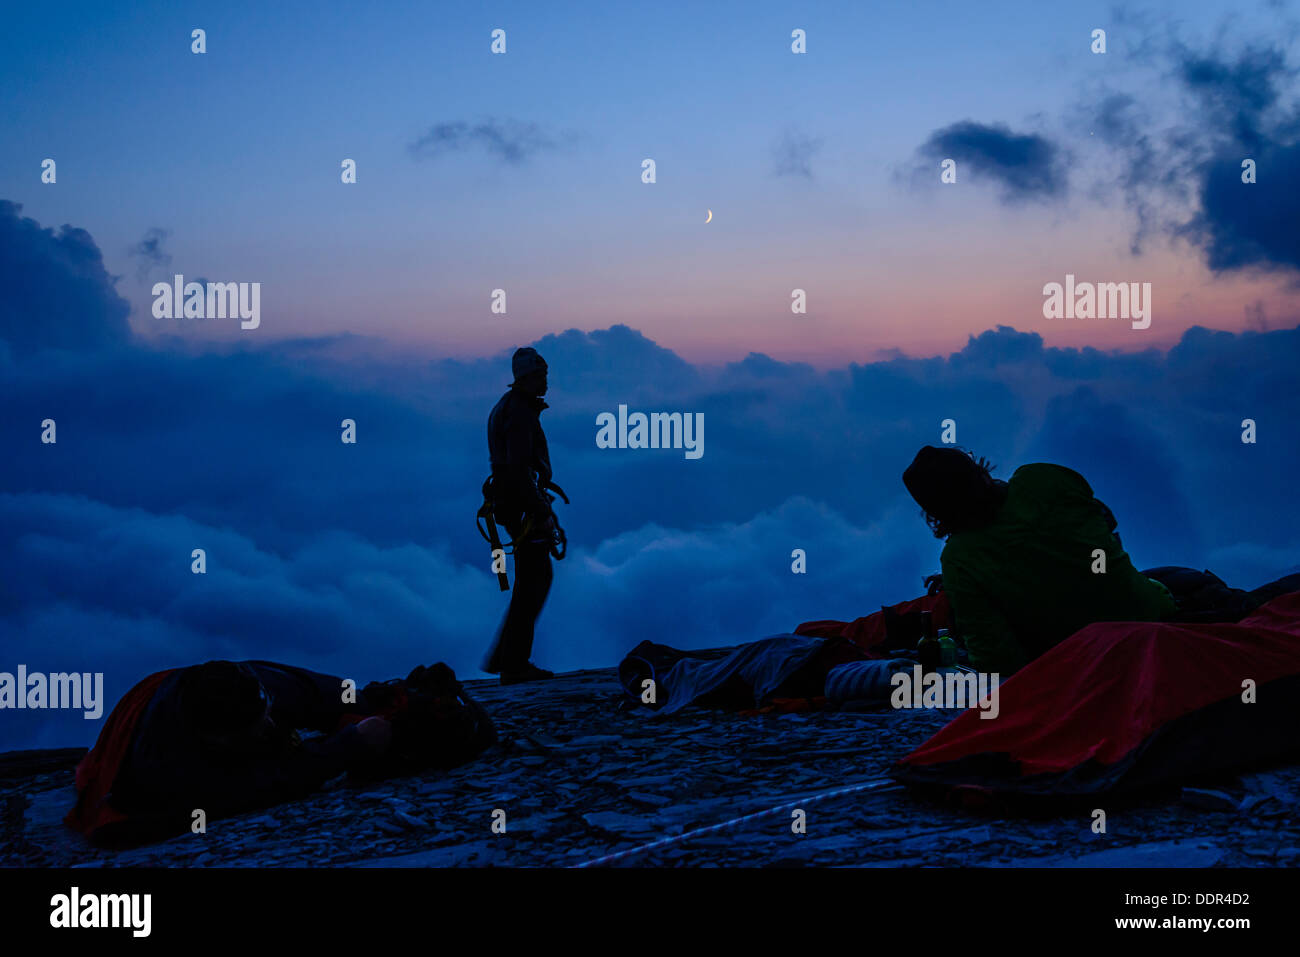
(947,650)
(928,650)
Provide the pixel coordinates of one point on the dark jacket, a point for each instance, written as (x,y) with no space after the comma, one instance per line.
(521,460)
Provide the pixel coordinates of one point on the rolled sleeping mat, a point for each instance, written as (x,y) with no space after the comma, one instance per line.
(865,680)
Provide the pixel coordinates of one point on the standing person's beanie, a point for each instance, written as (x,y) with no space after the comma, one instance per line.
(526,360)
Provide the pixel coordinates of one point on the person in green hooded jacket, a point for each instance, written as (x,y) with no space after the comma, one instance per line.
(1028,561)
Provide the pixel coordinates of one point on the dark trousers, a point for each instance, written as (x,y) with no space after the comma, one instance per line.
(514,642)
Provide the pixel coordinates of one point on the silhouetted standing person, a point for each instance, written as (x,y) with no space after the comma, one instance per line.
(521,472)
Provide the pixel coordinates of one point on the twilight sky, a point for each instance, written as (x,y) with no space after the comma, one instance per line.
(522,171)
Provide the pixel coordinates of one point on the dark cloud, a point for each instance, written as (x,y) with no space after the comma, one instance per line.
(1253,225)
(1024,166)
(1184,179)
(793,154)
(54,290)
(1241,116)
(758,365)
(998,346)
(512,141)
(1234,94)
(613,360)
(150,252)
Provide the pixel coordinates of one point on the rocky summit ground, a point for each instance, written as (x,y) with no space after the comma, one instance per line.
(579,778)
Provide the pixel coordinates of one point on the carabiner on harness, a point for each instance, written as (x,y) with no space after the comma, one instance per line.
(485,518)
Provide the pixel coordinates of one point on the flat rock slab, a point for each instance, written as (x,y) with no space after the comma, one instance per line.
(577,778)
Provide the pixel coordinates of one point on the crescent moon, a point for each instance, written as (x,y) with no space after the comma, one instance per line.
(710,219)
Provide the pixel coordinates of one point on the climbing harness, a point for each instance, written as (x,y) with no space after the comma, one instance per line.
(487,527)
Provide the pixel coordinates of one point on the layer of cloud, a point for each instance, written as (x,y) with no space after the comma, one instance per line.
(364,559)
(511,141)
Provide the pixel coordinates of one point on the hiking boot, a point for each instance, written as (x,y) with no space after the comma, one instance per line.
(529,672)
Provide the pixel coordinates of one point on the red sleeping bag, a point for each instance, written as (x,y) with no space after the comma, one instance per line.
(869,633)
(1120,706)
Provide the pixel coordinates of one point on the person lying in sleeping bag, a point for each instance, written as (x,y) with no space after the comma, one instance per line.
(1022,562)
(223,737)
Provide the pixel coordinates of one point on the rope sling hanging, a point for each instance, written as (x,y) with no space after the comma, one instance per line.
(485,518)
